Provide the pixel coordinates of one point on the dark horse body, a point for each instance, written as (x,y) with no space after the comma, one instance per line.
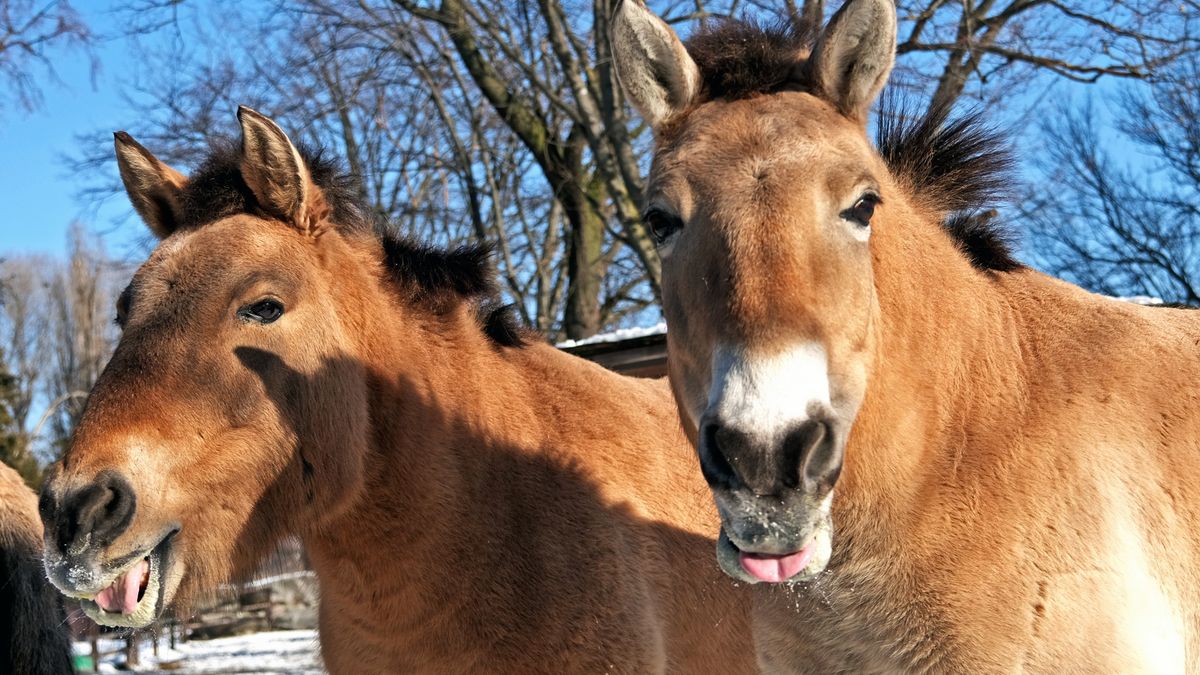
(33,633)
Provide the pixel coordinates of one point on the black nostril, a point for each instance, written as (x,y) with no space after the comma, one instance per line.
(812,455)
(715,442)
(809,456)
(96,514)
(797,448)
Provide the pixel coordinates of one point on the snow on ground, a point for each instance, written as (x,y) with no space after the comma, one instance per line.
(293,652)
(659,328)
(1139,299)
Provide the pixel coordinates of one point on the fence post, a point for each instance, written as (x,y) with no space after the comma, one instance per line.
(94,638)
(131,650)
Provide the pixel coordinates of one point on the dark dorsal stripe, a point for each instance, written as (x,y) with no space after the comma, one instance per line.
(958,166)
(425,274)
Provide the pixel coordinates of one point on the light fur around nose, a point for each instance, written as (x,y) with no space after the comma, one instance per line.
(767,395)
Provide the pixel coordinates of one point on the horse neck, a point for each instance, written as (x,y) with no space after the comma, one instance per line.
(414,538)
(946,333)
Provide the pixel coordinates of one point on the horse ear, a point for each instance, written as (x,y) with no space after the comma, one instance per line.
(276,173)
(854,55)
(655,70)
(153,187)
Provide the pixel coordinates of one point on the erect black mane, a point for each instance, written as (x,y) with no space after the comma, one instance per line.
(426,274)
(740,59)
(216,190)
(958,166)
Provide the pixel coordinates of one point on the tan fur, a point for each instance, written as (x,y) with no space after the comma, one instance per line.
(467,507)
(19,524)
(1020,484)
(1021,489)
(33,633)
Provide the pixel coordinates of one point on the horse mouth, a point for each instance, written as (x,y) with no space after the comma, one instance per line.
(802,564)
(773,568)
(135,597)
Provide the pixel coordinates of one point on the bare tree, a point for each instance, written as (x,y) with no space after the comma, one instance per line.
(23,336)
(30,31)
(14,443)
(1002,46)
(535,65)
(22,319)
(1128,226)
(82,333)
(503,121)
(432,162)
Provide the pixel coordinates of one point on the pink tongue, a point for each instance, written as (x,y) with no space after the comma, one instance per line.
(122,595)
(776,568)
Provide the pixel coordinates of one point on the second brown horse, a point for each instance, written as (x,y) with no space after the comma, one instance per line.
(470,502)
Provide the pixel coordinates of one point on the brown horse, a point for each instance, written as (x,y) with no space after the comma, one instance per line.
(470,502)
(963,465)
(33,631)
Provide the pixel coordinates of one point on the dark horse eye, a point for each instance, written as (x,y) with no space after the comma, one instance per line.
(862,210)
(662,224)
(123,306)
(263,311)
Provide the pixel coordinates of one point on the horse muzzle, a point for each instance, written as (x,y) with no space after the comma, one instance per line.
(773,540)
(82,525)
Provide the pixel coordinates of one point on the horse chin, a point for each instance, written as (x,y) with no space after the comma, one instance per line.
(784,563)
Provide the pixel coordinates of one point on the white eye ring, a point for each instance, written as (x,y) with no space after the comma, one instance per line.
(859,232)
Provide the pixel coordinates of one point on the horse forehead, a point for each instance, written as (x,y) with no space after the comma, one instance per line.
(753,138)
(229,242)
(201,258)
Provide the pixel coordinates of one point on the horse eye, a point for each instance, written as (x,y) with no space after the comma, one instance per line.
(662,224)
(863,209)
(123,301)
(263,311)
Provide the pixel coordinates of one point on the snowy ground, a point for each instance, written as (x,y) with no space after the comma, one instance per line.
(293,652)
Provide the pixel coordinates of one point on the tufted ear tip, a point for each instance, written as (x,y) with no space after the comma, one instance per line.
(252,121)
(245,111)
(123,142)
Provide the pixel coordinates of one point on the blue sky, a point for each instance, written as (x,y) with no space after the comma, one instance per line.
(41,197)
(36,188)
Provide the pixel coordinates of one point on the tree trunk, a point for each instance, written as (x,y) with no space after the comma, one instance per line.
(585,266)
